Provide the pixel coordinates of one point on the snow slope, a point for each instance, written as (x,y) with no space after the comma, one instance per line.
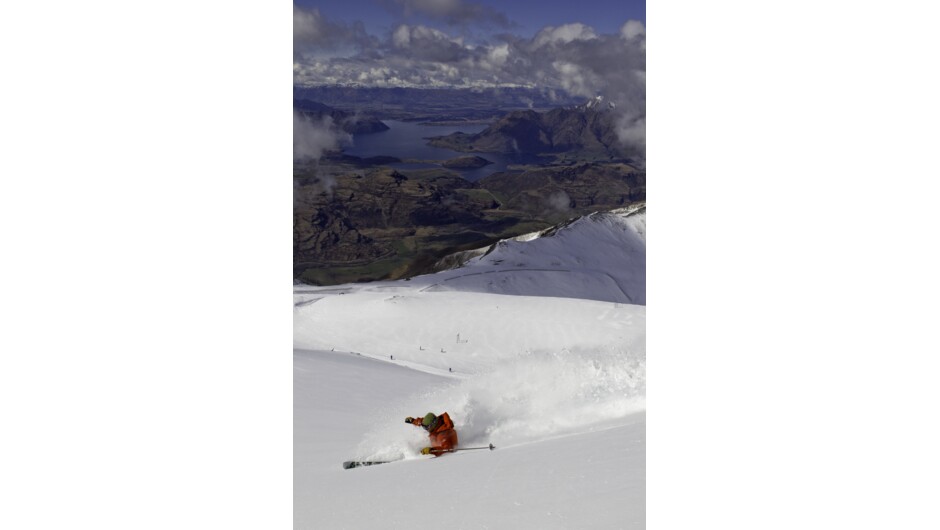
(345,405)
(556,382)
(416,326)
(601,256)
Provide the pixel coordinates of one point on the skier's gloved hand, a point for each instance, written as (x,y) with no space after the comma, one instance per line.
(409,419)
(426,451)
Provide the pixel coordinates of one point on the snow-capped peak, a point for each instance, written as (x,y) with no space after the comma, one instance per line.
(597,104)
(594,103)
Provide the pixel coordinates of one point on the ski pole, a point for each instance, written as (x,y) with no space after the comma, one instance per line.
(490,447)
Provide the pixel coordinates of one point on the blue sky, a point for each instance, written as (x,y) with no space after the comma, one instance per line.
(527,16)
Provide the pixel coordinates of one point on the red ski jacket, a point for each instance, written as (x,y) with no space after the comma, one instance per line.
(442,434)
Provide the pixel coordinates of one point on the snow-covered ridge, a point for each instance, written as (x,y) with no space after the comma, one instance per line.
(601,256)
(626,212)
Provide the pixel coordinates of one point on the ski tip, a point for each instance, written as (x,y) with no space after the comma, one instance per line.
(354,463)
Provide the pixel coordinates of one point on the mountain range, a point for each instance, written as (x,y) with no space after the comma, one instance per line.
(432,104)
(588,129)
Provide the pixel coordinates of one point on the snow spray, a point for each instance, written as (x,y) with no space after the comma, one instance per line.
(536,396)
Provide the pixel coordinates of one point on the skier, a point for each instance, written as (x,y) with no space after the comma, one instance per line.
(440,431)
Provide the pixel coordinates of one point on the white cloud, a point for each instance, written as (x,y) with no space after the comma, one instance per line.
(313,137)
(632,29)
(564,34)
(632,131)
(577,80)
(314,33)
(427,44)
(308,25)
(559,201)
(425,33)
(401,38)
(497,55)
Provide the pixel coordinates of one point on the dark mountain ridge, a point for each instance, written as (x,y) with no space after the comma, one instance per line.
(588,129)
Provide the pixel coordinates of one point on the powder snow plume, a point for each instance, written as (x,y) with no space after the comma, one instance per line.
(537,396)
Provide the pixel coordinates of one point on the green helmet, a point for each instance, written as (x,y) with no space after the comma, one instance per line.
(428,419)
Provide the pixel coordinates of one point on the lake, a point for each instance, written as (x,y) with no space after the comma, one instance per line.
(408,140)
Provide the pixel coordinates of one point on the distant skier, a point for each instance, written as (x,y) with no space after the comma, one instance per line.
(440,431)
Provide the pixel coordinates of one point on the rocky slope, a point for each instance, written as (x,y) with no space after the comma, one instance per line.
(354,224)
(581,188)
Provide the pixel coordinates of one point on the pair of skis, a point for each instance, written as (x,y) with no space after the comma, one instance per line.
(359,463)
